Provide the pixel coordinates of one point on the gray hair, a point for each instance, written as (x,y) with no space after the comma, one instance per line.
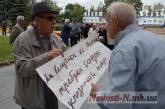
(20,17)
(123,10)
(67,20)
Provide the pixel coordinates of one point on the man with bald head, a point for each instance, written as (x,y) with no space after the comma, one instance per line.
(137,62)
(17,29)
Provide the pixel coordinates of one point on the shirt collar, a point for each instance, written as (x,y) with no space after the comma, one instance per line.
(130,28)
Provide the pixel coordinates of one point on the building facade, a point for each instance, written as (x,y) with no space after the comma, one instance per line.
(146,18)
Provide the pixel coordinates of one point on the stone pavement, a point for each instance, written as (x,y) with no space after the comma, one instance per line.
(7,34)
(7,78)
(7,88)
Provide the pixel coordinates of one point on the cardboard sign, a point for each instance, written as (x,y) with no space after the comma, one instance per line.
(70,77)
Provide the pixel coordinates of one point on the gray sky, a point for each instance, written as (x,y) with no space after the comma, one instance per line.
(89,3)
(150,2)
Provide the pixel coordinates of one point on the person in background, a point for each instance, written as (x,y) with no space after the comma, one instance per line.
(106,40)
(92,31)
(102,35)
(32,49)
(137,61)
(65,35)
(74,32)
(79,29)
(82,28)
(10,26)
(110,43)
(17,29)
(4,27)
(86,30)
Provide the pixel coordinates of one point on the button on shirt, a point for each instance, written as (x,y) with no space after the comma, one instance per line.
(137,64)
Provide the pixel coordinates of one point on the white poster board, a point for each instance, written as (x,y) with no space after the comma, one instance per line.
(70,77)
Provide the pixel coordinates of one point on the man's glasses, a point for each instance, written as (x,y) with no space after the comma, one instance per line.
(49,18)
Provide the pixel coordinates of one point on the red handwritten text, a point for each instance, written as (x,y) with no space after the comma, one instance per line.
(73,76)
(57,69)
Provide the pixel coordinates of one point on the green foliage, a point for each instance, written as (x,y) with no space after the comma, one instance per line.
(107,2)
(5,49)
(58,9)
(73,11)
(158,8)
(136,3)
(58,27)
(99,7)
(92,9)
(12,8)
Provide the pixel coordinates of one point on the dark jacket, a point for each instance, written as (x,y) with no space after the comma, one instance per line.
(16,31)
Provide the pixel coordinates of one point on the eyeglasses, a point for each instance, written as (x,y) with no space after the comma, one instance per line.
(49,18)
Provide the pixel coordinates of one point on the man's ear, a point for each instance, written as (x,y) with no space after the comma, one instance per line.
(115,21)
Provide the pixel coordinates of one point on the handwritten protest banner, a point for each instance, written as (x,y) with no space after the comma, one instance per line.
(70,77)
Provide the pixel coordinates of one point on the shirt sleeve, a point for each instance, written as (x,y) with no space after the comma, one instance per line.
(121,76)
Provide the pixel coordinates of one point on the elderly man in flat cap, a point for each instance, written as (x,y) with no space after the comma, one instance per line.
(31,49)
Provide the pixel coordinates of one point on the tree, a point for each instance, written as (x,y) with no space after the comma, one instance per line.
(100,7)
(12,8)
(92,9)
(108,2)
(158,8)
(73,11)
(58,9)
(136,3)
(4,9)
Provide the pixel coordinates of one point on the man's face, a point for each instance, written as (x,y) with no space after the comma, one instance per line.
(21,22)
(111,25)
(46,23)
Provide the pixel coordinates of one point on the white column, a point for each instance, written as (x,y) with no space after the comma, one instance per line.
(141,13)
(162,12)
(152,13)
(157,13)
(146,12)
(85,14)
(92,14)
(101,14)
(89,13)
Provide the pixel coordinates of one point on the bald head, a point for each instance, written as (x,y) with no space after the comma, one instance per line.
(123,11)
(119,16)
(20,20)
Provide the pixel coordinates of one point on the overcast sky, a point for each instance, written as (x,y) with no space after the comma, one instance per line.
(89,3)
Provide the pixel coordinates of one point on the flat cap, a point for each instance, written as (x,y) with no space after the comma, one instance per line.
(42,7)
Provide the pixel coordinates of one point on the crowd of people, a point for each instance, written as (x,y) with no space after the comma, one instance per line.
(136,64)
(73,31)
